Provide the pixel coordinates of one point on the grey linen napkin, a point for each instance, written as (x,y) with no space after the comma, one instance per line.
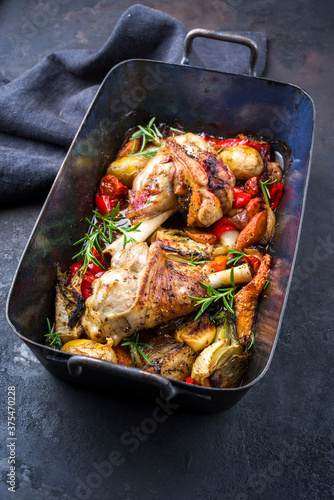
(41,110)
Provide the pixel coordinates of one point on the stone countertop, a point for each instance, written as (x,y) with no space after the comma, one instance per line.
(277,442)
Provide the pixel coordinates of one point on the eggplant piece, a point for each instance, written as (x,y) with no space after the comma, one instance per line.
(69,307)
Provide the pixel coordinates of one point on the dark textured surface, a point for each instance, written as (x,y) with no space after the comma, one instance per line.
(277,443)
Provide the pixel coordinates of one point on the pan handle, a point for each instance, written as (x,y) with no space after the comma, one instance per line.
(168,391)
(225,37)
(75,365)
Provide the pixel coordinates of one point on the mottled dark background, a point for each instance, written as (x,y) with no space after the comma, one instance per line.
(277,443)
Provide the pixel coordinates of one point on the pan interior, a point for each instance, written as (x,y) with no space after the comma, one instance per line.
(201,101)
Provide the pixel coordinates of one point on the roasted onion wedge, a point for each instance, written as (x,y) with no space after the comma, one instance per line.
(197,334)
(169,358)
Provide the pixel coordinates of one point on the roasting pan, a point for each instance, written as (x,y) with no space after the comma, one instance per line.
(217,103)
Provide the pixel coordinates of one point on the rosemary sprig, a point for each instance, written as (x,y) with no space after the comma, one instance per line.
(232,277)
(193,262)
(177,130)
(149,153)
(148,134)
(252,342)
(265,191)
(226,294)
(52,336)
(136,346)
(267,283)
(90,241)
(109,221)
(104,234)
(238,255)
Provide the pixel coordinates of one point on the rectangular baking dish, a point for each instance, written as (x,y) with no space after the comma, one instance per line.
(201,100)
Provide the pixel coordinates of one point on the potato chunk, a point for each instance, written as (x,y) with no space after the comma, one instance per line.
(244,161)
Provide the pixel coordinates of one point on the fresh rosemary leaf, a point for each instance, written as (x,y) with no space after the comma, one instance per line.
(136,345)
(177,130)
(52,336)
(148,134)
(149,153)
(193,262)
(265,191)
(103,235)
(232,277)
(238,255)
(252,342)
(226,294)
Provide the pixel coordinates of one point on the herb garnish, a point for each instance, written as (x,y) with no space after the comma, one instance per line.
(252,342)
(148,134)
(100,235)
(136,346)
(238,255)
(193,262)
(177,130)
(227,294)
(267,283)
(265,191)
(52,336)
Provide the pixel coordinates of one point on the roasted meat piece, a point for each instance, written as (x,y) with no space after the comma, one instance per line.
(142,289)
(152,191)
(184,172)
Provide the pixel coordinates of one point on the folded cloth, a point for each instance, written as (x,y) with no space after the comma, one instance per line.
(41,110)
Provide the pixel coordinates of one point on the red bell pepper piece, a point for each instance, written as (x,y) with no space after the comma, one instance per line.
(86,284)
(73,270)
(276,194)
(190,380)
(261,147)
(219,263)
(252,261)
(240,198)
(221,226)
(103,203)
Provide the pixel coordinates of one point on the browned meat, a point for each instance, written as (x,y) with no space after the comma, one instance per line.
(183,174)
(245,301)
(152,190)
(141,290)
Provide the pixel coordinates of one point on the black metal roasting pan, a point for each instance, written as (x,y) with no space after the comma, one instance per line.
(217,103)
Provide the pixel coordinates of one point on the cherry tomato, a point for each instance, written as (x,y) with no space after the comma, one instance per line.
(252,186)
(112,187)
